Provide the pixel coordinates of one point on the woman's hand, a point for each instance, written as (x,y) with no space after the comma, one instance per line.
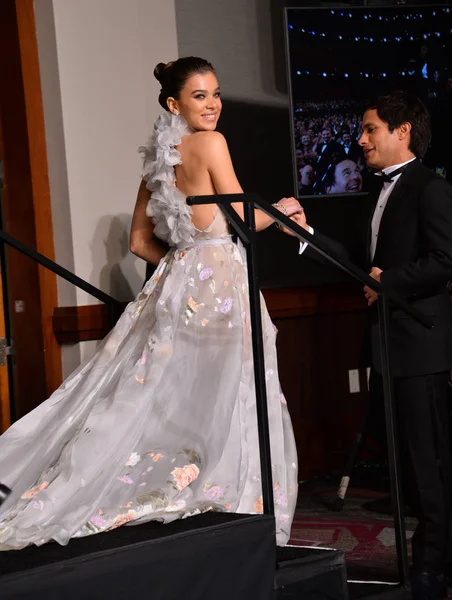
(288,206)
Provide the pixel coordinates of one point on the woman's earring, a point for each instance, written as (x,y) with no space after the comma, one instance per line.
(176,112)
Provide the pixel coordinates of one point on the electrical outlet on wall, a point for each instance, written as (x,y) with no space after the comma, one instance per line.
(353,378)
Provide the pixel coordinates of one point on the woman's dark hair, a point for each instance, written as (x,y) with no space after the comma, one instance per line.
(173,75)
(400,107)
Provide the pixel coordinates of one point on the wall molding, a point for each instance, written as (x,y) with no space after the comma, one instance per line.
(73,324)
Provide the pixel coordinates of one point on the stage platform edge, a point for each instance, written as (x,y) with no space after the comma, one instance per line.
(313,573)
(214,555)
(310,573)
(222,555)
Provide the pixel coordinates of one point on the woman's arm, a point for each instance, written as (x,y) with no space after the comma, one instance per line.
(222,172)
(142,244)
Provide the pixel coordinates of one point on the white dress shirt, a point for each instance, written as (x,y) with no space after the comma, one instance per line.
(379,209)
(303,245)
(386,191)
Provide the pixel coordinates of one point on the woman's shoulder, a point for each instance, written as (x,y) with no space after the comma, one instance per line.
(208,142)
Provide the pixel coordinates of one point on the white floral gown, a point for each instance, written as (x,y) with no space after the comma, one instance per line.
(160,423)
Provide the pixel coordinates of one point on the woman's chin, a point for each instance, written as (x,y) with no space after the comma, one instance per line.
(208,126)
(205,129)
(200,126)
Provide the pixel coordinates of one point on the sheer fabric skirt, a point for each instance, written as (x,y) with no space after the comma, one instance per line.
(160,423)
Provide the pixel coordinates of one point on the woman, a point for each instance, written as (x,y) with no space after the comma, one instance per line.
(160,423)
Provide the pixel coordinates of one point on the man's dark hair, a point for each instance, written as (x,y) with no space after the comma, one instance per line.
(329,178)
(398,107)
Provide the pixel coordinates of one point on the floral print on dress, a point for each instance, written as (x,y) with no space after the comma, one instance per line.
(283,519)
(215,492)
(226,305)
(268,374)
(133,459)
(183,476)
(125,479)
(280,499)
(205,273)
(123,519)
(259,505)
(192,304)
(34,491)
(98,521)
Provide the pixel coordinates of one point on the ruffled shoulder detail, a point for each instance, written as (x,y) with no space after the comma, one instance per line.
(167,207)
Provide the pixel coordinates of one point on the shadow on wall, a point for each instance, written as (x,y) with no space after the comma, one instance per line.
(259,140)
(114,266)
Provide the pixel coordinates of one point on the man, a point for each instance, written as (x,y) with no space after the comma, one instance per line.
(327,149)
(306,179)
(410,251)
(306,148)
(351,148)
(343,177)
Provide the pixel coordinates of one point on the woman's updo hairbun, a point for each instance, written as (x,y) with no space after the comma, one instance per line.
(173,76)
(158,72)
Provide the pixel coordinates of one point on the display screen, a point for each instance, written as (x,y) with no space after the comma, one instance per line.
(341,59)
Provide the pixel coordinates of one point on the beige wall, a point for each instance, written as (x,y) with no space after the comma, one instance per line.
(100,100)
(236,36)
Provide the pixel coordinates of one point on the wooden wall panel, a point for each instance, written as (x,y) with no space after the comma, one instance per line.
(73,324)
(26,209)
(18,220)
(314,355)
(40,184)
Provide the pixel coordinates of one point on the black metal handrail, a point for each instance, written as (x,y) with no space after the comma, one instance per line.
(114,306)
(246,230)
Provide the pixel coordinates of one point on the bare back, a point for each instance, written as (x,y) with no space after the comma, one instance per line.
(193,177)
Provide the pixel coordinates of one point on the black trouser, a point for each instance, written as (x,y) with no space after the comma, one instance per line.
(422,423)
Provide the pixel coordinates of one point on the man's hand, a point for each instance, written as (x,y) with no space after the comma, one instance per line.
(370,294)
(376,274)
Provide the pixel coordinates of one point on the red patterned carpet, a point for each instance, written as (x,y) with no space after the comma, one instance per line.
(366,537)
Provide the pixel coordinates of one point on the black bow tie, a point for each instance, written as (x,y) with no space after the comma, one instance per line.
(389,177)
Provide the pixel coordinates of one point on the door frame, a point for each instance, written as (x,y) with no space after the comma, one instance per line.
(26,205)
